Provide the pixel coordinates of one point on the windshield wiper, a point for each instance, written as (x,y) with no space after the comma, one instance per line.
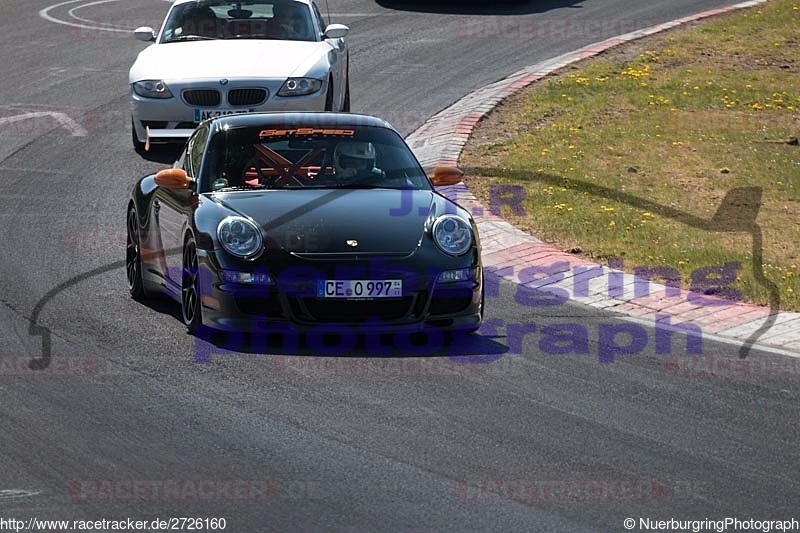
(191,37)
(241,188)
(356,186)
(246,36)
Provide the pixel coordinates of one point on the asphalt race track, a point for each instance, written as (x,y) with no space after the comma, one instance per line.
(135,419)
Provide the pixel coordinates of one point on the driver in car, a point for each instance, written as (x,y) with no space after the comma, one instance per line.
(355,161)
(287,23)
(199,21)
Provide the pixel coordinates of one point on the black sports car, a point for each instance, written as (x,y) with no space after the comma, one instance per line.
(305,219)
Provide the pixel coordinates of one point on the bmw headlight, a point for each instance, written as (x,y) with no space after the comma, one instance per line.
(152,89)
(239,236)
(452,234)
(300,86)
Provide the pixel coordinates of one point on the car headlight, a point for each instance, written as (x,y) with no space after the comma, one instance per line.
(452,234)
(240,237)
(152,89)
(300,86)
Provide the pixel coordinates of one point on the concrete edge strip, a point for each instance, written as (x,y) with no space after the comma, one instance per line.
(511,254)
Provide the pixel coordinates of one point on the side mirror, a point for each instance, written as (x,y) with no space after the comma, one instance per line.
(446,176)
(173,178)
(335,31)
(145,33)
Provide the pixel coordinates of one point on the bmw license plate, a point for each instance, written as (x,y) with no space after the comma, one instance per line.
(203,114)
(358,288)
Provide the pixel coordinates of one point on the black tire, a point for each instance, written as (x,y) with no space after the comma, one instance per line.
(133,258)
(137,144)
(329,96)
(346,104)
(191,306)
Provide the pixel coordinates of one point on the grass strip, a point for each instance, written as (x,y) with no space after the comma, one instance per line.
(618,153)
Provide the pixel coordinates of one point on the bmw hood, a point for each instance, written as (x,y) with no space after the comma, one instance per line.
(235,58)
(311,221)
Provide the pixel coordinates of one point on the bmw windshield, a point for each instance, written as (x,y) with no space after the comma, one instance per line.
(215,19)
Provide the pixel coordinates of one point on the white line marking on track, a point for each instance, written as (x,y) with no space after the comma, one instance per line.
(13,494)
(66,122)
(45,14)
(72,11)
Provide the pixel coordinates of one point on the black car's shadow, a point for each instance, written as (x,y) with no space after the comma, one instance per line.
(464,348)
(479,7)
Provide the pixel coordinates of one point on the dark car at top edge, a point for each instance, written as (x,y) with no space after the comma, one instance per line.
(304,220)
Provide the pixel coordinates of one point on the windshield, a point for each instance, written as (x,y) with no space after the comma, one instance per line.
(218,19)
(311,157)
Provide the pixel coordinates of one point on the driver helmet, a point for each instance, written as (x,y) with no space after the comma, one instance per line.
(353,158)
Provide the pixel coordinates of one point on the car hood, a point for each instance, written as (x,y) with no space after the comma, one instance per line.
(336,221)
(234,58)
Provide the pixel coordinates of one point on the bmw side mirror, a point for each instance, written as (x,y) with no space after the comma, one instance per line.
(173,178)
(335,31)
(145,33)
(446,176)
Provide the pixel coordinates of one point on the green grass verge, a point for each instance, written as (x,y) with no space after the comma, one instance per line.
(631,153)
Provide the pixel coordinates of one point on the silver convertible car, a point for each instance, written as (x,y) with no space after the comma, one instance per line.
(216,57)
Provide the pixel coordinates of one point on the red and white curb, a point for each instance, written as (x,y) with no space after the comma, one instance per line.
(517,256)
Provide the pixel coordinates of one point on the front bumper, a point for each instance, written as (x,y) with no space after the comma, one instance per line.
(290,302)
(174,119)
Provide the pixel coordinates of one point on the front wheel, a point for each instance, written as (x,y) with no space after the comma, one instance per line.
(191,306)
(346,104)
(329,96)
(137,144)
(133,258)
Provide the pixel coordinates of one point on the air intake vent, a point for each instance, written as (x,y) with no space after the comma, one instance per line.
(247,96)
(202,97)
